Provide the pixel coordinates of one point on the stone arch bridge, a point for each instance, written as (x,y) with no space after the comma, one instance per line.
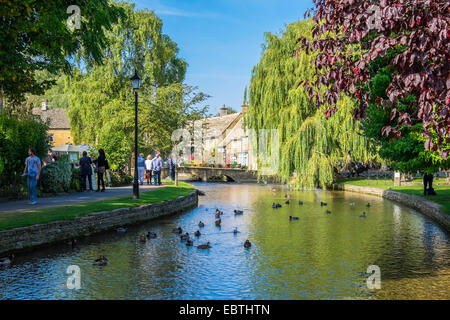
(205,174)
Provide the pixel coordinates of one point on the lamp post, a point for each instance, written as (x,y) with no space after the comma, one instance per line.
(136,84)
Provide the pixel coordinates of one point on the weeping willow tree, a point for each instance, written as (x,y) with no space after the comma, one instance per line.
(311,147)
(101,101)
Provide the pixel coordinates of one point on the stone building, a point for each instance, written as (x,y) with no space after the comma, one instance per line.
(224,142)
(59,124)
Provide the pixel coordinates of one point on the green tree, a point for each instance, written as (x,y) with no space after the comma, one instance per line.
(310,145)
(102,102)
(35,36)
(16,137)
(407,154)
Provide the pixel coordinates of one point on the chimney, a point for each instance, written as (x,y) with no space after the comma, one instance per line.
(223,111)
(44,105)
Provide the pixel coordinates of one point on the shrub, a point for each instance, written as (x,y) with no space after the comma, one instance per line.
(119,178)
(56,177)
(75,181)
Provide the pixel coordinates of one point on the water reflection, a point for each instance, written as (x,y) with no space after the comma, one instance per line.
(320,256)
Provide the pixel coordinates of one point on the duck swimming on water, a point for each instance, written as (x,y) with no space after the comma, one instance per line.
(247,244)
(184,237)
(201,224)
(204,246)
(178,230)
(197,233)
(300,202)
(363,215)
(6,261)
(101,261)
(293,218)
(237,212)
(152,235)
(323,203)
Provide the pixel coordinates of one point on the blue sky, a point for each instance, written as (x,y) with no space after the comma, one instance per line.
(221,39)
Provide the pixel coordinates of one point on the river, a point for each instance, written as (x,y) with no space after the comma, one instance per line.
(318,256)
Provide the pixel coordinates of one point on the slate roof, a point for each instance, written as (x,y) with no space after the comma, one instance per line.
(57,117)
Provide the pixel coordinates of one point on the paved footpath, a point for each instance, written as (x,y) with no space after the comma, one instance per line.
(72,198)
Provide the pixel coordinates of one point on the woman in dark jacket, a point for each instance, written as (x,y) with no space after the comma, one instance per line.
(86,171)
(102,165)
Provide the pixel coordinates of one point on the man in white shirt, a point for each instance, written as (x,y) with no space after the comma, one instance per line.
(156,168)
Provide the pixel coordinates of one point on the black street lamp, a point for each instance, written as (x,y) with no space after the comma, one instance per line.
(136,84)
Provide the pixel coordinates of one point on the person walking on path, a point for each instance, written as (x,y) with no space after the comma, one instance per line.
(32,171)
(141,168)
(148,169)
(171,164)
(86,171)
(101,166)
(156,168)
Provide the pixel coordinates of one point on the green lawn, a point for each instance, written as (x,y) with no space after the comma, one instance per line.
(28,218)
(442,197)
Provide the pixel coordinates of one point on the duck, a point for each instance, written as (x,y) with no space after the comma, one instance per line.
(235,231)
(363,215)
(293,218)
(287,196)
(287,202)
(218,222)
(121,230)
(274,206)
(352,203)
(201,224)
(238,212)
(323,203)
(328,212)
(189,243)
(197,233)
(184,237)
(152,235)
(101,261)
(368,204)
(300,202)
(178,230)
(7,260)
(204,246)
(217,215)
(143,238)
(72,242)
(219,212)
(247,244)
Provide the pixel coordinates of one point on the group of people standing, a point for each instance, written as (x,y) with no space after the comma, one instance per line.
(101,165)
(151,167)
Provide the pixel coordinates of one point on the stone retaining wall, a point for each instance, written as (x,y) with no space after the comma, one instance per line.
(57,231)
(428,208)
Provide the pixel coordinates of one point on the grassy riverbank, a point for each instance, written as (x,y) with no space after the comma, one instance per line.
(442,197)
(28,218)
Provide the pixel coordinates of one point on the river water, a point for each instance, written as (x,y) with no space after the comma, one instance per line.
(319,256)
